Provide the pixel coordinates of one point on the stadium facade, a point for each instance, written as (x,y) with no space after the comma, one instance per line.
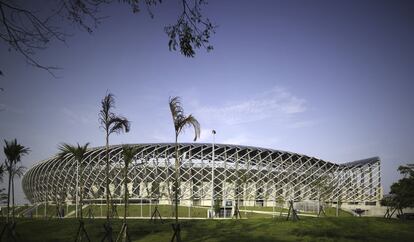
(249,176)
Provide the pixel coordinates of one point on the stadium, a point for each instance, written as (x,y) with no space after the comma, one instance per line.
(231,174)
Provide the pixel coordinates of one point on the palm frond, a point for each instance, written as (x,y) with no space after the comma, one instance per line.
(110,122)
(177,112)
(78,152)
(14,151)
(182,121)
(105,114)
(65,150)
(2,170)
(175,107)
(190,120)
(129,152)
(18,170)
(119,124)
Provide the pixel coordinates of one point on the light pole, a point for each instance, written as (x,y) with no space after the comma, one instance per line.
(212,175)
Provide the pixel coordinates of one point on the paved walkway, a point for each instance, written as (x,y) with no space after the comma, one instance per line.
(74,211)
(29,211)
(277,213)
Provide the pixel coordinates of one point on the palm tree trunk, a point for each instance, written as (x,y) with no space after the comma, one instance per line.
(337,206)
(77,189)
(319,202)
(125,191)
(107,176)
(81,202)
(177,166)
(8,194)
(12,181)
(81,190)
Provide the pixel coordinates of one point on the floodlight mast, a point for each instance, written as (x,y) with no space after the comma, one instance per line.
(212,174)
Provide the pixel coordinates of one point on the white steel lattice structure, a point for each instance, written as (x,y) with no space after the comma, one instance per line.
(248,175)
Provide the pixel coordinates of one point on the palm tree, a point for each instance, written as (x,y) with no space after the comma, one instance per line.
(128,152)
(322,188)
(181,121)
(17,170)
(111,123)
(2,170)
(79,154)
(3,196)
(13,152)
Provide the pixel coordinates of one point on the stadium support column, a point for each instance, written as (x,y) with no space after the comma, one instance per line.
(224,192)
(379,190)
(212,175)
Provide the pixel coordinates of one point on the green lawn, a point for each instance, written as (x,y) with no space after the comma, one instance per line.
(266,209)
(135,210)
(17,210)
(147,210)
(249,230)
(50,210)
(332,212)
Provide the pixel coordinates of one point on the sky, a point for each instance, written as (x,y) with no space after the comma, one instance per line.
(329,79)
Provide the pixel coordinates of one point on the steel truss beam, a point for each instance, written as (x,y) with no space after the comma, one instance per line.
(249,174)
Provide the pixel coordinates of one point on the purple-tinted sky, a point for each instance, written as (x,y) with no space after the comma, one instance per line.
(330,79)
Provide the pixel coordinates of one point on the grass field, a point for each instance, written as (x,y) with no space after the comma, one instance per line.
(17,210)
(147,210)
(248,212)
(136,210)
(307,229)
(40,210)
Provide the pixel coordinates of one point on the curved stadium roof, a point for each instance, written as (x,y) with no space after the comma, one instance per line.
(283,171)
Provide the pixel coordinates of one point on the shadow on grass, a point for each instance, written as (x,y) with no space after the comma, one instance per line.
(244,230)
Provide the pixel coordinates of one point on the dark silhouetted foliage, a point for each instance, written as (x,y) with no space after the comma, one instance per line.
(26,31)
(13,151)
(403,190)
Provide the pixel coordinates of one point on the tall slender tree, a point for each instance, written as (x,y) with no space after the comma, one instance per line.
(18,170)
(111,123)
(181,121)
(79,154)
(3,195)
(128,153)
(13,151)
(2,170)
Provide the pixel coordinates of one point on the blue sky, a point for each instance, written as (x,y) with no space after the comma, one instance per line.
(330,79)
